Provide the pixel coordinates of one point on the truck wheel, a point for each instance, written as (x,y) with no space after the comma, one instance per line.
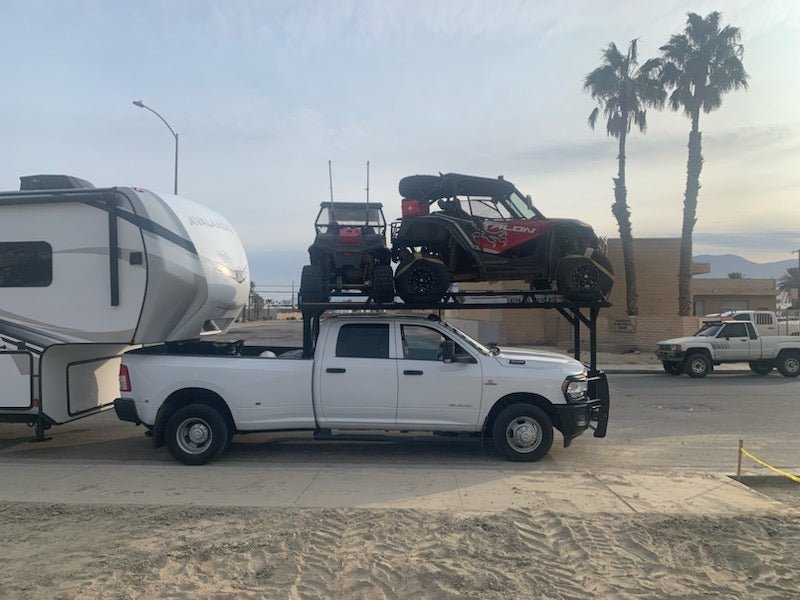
(697,365)
(311,285)
(196,434)
(673,367)
(761,367)
(522,433)
(424,280)
(382,288)
(585,279)
(789,365)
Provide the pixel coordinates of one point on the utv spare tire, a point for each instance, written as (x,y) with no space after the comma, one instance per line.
(311,286)
(582,278)
(421,187)
(421,281)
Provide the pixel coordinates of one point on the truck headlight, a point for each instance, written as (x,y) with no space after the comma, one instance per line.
(575,388)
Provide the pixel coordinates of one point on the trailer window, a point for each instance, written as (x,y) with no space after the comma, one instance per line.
(26,264)
(363,340)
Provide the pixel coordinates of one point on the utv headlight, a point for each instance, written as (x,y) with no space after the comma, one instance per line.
(575,388)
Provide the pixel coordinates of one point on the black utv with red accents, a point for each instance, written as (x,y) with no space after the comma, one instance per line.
(349,254)
(484,229)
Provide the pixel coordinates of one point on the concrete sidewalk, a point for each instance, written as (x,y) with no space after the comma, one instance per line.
(646,369)
(484,490)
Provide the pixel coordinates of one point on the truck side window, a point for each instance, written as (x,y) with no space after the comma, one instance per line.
(751,331)
(423,343)
(363,340)
(734,330)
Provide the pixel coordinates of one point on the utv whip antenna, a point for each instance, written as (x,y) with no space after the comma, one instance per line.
(330,181)
(367,188)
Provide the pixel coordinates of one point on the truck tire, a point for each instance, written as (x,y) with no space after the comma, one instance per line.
(311,285)
(581,279)
(697,365)
(761,367)
(673,367)
(522,433)
(382,288)
(424,280)
(789,364)
(196,434)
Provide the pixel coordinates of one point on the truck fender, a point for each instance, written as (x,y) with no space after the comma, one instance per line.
(526,398)
(183,397)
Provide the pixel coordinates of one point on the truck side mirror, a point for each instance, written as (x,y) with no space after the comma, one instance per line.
(448,350)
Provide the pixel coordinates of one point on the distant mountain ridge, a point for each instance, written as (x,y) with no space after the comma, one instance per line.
(722,264)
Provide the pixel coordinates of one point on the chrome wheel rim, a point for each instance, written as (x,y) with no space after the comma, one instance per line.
(698,366)
(792,365)
(524,434)
(194,435)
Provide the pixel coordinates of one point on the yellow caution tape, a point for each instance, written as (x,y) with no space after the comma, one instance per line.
(794,478)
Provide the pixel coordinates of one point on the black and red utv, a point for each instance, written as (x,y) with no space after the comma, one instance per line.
(349,254)
(465,228)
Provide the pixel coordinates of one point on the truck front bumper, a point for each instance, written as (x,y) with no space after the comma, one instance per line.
(126,410)
(574,419)
(670,355)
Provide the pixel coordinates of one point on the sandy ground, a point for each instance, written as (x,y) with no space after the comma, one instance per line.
(58,551)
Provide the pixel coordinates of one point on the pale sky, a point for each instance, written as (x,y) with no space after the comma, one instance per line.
(263,94)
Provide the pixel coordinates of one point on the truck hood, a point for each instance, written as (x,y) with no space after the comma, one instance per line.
(685,340)
(539,359)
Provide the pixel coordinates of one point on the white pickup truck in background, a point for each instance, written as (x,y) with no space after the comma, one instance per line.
(766,322)
(729,342)
(377,372)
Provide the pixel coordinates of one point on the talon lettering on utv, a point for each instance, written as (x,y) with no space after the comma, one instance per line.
(349,254)
(484,229)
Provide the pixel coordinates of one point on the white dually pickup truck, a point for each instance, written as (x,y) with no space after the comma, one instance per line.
(379,372)
(720,342)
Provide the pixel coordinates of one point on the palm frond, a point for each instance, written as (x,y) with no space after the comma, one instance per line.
(593,117)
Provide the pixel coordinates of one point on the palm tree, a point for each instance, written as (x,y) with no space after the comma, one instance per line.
(700,64)
(622,91)
(790,280)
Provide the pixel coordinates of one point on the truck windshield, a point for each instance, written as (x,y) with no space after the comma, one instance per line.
(472,342)
(709,330)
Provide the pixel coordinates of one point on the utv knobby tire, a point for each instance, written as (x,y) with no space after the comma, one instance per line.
(420,187)
(761,367)
(425,280)
(582,278)
(312,288)
(382,288)
(196,434)
(789,364)
(522,433)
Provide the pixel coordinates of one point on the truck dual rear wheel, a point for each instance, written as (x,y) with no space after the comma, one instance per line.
(761,367)
(789,365)
(522,433)
(697,365)
(196,434)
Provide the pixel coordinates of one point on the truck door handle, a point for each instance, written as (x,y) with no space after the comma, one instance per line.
(412,372)
(335,370)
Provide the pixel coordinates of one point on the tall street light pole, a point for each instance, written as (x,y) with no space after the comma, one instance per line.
(141,104)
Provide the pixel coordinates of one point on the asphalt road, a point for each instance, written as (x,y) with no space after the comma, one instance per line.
(658,422)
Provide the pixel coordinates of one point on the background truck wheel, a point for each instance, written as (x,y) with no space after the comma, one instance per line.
(424,280)
(522,433)
(580,278)
(196,434)
(311,286)
(789,365)
(761,367)
(673,367)
(697,365)
(382,288)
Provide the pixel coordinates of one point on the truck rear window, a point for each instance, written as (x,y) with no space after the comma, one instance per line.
(363,340)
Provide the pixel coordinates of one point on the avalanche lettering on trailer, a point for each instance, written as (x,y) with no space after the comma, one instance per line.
(496,237)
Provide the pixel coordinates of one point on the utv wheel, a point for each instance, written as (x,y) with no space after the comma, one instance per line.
(522,433)
(420,187)
(424,280)
(311,285)
(673,367)
(580,278)
(761,367)
(196,434)
(789,365)
(382,289)
(697,365)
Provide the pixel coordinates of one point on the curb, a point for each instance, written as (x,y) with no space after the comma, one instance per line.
(634,370)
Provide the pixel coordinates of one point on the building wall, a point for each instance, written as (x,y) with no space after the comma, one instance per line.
(719,295)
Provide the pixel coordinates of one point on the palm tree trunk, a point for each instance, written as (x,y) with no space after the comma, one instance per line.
(693,168)
(623,215)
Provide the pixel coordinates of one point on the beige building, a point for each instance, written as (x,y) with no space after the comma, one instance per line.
(718,295)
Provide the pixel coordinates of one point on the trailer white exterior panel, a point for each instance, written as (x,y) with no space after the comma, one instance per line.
(16,379)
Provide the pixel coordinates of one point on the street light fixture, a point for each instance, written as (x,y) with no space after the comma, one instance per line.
(141,104)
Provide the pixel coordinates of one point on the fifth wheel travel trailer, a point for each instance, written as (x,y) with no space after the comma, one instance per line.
(87,274)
